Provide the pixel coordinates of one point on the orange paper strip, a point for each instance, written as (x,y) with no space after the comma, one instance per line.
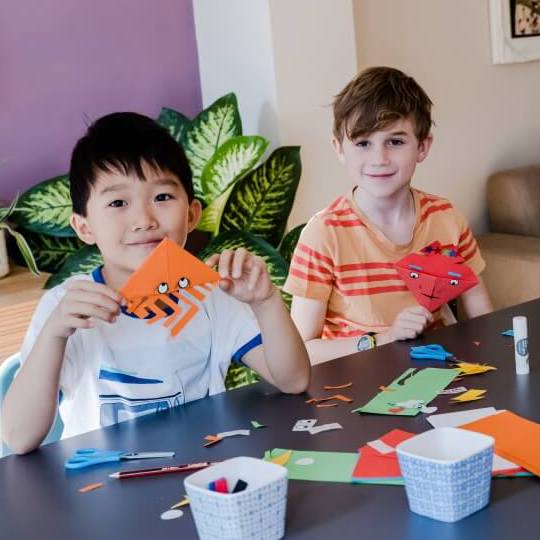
(321,405)
(91,487)
(338,386)
(341,397)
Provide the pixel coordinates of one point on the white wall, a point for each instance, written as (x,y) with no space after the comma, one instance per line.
(488,116)
(285,59)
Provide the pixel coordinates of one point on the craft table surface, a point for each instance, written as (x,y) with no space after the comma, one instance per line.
(39,499)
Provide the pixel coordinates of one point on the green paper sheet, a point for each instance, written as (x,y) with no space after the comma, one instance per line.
(424,384)
(326,467)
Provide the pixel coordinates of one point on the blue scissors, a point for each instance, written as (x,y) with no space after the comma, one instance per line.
(87,457)
(430,352)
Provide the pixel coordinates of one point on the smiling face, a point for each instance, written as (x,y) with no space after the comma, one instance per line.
(128,217)
(382,163)
(435,279)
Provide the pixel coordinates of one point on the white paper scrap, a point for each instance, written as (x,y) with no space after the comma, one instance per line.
(458,390)
(305,424)
(381,446)
(325,427)
(233,433)
(459,418)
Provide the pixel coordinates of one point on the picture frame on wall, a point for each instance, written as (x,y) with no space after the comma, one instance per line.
(515,30)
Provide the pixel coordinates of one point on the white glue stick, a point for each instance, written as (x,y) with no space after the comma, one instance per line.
(521,348)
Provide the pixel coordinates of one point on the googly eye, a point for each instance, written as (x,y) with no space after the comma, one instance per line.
(183,283)
(163,288)
(454,282)
(414,275)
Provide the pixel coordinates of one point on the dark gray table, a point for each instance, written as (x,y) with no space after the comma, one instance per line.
(39,499)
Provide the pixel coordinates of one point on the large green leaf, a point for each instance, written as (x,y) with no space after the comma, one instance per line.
(230,162)
(238,375)
(277,267)
(46,208)
(175,122)
(50,252)
(286,248)
(81,262)
(25,251)
(212,213)
(261,201)
(208,131)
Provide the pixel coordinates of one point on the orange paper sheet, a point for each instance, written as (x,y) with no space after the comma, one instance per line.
(516,438)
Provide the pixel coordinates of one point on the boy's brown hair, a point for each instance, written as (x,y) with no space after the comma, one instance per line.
(376,98)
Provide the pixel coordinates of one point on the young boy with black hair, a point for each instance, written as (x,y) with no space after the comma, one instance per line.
(347,295)
(131,187)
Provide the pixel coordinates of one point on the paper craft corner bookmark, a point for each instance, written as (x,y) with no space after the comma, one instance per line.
(436,275)
(168,285)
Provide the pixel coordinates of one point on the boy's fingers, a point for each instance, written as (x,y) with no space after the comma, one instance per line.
(212,260)
(84,309)
(92,286)
(225,263)
(238,262)
(98,299)
(254,275)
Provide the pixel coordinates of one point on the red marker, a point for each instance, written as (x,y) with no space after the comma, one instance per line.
(161,470)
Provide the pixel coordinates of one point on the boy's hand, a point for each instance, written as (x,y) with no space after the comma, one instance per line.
(409,323)
(83,301)
(243,275)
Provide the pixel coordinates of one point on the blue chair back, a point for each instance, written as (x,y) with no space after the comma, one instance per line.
(8,369)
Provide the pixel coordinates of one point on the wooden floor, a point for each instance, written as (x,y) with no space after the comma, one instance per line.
(20,292)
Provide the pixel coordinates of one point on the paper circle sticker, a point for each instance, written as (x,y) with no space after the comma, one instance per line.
(305,461)
(172,514)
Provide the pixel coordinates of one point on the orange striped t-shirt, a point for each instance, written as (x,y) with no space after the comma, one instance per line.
(345,261)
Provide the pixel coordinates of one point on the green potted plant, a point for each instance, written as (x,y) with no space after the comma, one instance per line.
(246,199)
(22,245)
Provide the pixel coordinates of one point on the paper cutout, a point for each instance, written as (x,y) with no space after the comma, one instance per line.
(470,395)
(212,439)
(456,390)
(436,275)
(428,410)
(325,467)
(323,405)
(516,438)
(91,487)
(304,461)
(467,368)
(324,427)
(413,384)
(185,501)
(508,333)
(224,434)
(171,514)
(338,387)
(339,397)
(280,459)
(168,286)
(257,425)
(304,424)
(477,343)
(456,419)
(380,467)
(383,388)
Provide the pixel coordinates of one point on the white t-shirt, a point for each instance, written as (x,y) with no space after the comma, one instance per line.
(114,372)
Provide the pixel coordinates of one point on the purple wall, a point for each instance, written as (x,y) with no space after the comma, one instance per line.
(64,61)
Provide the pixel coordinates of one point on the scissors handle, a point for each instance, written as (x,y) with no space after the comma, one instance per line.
(87,457)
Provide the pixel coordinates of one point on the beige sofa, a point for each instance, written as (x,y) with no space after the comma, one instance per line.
(512,247)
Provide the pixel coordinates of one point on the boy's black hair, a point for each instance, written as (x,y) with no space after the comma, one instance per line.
(121,142)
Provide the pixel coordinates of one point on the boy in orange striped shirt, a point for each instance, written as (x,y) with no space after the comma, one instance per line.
(347,293)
